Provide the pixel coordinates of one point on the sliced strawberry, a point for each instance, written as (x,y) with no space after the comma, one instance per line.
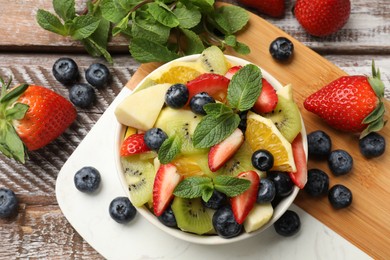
(267,100)
(243,203)
(214,84)
(233,70)
(166,180)
(300,176)
(134,144)
(220,153)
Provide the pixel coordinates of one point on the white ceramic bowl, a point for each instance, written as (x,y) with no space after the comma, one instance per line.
(193,238)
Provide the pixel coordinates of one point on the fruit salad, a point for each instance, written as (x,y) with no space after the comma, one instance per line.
(211,147)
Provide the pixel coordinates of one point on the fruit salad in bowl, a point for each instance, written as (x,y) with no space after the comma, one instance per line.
(211,148)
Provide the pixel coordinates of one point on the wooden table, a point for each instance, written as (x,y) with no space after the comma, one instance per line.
(27,53)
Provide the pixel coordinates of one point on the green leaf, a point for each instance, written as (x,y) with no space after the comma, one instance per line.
(212,129)
(373,127)
(163,14)
(121,26)
(188,18)
(169,149)
(65,9)
(83,26)
(244,88)
(378,112)
(231,186)
(144,50)
(231,18)
(216,109)
(231,40)
(205,6)
(193,187)
(16,112)
(14,93)
(101,34)
(96,50)
(111,12)
(151,30)
(50,22)
(194,44)
(242,48)
(10,143)
(207,193)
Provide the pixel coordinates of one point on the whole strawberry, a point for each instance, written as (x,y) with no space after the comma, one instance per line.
(351,103)
(322,17)
(31,117)
(273,8)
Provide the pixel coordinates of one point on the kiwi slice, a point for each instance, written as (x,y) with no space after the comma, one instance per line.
(180,122)
(192,216)
(139,175)
(240,162)
(213,60)
(286,117)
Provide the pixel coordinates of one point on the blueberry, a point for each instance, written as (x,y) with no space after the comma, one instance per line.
(217,200)
(154,138)
(87,179)
(82,95)
(8,203)
(319,144)
(340,162)
(168,218)
(288,224)
(283,184)
(97,75)
(262,160)
(281,48)
(372,145)
(317,182)
(340,196)
(243,116)
(198,101)
(177,96)
(267,191)
(225,224)
(66,71)
(121,210)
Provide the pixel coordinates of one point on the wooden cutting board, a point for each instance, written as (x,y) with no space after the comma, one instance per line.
(366,223)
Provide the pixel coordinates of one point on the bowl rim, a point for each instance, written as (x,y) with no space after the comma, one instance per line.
(175,232)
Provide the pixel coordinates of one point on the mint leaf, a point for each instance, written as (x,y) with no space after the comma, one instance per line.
(205,6)
(95,49)
(169,149)
(100,35)
(149,29)
(121,26)
(65,9)
(216,109)
(244,88)
(188,18)
(214,128)
(242,48)
(163,14)
(83,26)
(207,193)
(231,40)
(231,18)
(50,22)
(194,44)
(193,187)
(111,12)
(16,112)
(231,186)
(144,50)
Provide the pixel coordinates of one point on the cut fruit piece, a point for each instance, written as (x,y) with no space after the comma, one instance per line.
(182,123)
(139,176)
(213,60)
(141,109)
(129,131)
(193,165)
(243,203)
(134,144)
(192,216)
(166,180)
(286,115)
(300,176)
(220,153)
(213,84)
(233,70)
(240,162)
(258,217)
(261,133)
(267,100)
(179,74)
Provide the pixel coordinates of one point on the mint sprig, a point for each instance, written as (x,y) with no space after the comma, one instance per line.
(195,187)
(169,149)
(157,30)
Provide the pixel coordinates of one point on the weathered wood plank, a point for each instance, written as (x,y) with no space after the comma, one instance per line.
(366,32)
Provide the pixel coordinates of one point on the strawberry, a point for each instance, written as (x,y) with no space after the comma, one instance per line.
(267,100)
(233,70)
(134,144)
(273,8)
(300,176)
(322,17)
(351,103)
(214,84)
(220,153)
(31,117)
(243,203)
(166,180)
